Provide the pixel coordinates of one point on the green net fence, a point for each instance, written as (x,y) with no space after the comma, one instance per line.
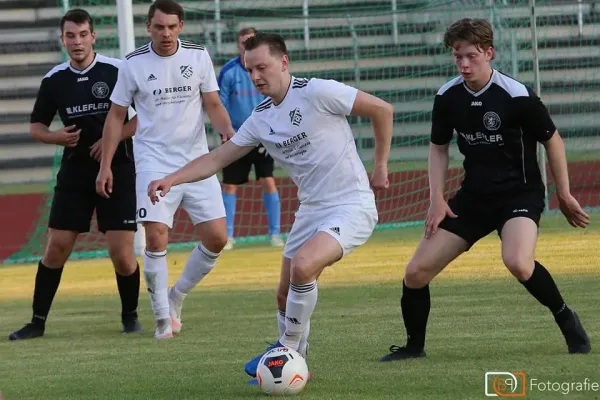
(391,49)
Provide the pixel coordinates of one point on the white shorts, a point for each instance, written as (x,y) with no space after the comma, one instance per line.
(350,225)
(202,200)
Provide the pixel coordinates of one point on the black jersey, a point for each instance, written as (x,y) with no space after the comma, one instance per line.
(498,129)
(82,98)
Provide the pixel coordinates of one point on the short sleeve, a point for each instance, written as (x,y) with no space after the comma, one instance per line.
(209,79)
(125,88)
(248,134)
(535,118)
(441,127)
(44,108)
(331,96)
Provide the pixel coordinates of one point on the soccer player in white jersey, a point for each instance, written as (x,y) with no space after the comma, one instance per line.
(302,124)
(169,81)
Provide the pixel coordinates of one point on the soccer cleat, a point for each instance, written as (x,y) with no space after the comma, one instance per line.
(577,339)
(277,241)
(229,244)
(252,365)
(29,331)
(131,324)
(164,329)
(402,353)
(175,312)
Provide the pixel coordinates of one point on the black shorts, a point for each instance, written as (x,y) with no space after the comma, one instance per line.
(238,172)
(479,216)
(75,200)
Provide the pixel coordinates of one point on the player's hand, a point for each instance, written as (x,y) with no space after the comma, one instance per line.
(104,182)
(379,179)
(96,150)
(162,185)
(67,136)
(226,136)
(571,209)
(435,215)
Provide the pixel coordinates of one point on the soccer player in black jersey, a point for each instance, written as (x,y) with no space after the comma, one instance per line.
(499,122)
(79,90)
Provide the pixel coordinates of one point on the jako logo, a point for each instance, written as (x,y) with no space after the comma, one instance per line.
(275,363)
(505,384)
(476,103)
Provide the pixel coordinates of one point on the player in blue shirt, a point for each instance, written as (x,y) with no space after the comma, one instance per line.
(240,97)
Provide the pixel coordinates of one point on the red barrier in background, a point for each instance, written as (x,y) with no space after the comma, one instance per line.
(405,200)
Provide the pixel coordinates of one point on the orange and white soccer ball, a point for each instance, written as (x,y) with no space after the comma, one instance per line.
(282,372)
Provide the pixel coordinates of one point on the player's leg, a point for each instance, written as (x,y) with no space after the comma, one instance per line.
(234,174)
(70,214)
(332,233)
(116,218)
(204,205)
(519,237)
(157,219)
(264,166)
(454,236)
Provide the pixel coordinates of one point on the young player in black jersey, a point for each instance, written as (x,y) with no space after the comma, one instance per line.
(79,90)
(499,122)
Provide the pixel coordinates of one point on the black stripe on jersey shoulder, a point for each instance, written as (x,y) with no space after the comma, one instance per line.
(266,103)
(300,83)
(141,50)
(186,44)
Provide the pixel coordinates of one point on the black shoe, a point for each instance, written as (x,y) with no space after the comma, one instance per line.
(29,331)
(131,324)
(402,353)
(577,339)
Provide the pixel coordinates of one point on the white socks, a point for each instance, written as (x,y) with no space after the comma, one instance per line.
(200,262)
(156,276)
(301,302)
(281,325)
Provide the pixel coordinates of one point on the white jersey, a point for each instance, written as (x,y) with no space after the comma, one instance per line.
(166,93)
(309,136)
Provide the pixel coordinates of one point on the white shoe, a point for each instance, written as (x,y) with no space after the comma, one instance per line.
(277,241)
(163,329)
(229,244)
(175,307)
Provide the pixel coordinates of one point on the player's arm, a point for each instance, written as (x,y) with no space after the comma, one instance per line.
(219,118)
(199,169)
(112,133)
(42,115)
(536,121)
(438,160)
(381,114)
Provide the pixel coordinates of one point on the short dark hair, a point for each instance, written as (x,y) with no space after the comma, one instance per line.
(476,31)
(275,42)
(78,16)
(246,31)
(170,7)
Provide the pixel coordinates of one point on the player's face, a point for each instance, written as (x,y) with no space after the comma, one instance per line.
(240,45)
(164,30)
(473,63)
(267,71)
(78,40)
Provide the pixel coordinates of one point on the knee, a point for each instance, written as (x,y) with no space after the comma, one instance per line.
(123,259)
(521,266)
(301,269)
(157,237)
(57,253)
(417,275)
(216,241)
(229,188)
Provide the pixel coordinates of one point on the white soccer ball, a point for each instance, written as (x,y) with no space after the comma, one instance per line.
(282,372)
